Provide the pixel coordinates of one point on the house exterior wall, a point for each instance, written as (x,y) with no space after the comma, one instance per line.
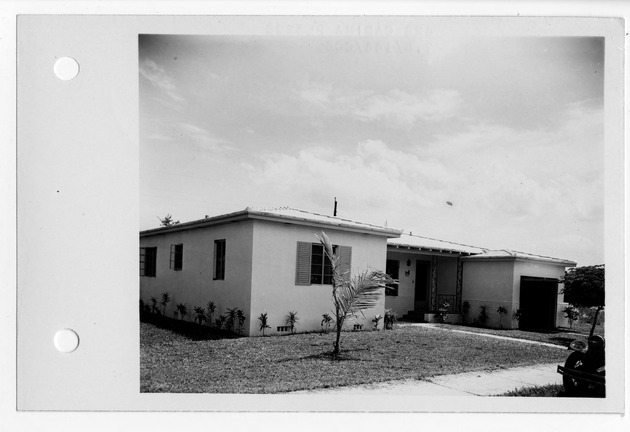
(541,270)
(274,288)
(194,284)
(489,283)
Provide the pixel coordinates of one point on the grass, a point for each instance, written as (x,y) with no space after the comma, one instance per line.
(550,390)
(176,362)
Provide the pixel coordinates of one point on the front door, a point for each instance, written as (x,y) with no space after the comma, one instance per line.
(421,285)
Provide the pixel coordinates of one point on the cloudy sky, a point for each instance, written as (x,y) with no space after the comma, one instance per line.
(508,130)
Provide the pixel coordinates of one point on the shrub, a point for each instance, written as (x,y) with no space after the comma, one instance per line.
(263,322)
(230,319)
(292,320)
(442,311)
(483,315)
(240,316)
(326,320)
(182,309)
(502,311)
(376,320)
(465,310)
(389,319)
(165,300)
(211,309)
(220,321)
(517,315)
(154,303)
(199,314)
(571,313)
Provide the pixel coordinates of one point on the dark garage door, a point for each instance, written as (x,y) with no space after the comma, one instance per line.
(538,302)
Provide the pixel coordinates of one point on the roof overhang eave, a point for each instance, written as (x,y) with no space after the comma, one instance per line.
(270,217)
(412,248)
(558,262)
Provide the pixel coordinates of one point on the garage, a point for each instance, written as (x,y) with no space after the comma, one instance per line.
(538,303)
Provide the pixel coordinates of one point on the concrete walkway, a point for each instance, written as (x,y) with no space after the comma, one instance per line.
(465,384)
(433,326)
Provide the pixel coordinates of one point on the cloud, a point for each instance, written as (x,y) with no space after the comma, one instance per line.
(510,188)
(160,79)
(396,108)
(200,137)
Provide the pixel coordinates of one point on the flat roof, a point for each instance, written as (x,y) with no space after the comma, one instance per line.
(409,242)
(506,254)
(427,244)
(283,215)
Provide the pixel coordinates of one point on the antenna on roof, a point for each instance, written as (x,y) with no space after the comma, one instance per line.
(335,210)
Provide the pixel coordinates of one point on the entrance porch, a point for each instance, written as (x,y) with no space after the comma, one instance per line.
(427,281)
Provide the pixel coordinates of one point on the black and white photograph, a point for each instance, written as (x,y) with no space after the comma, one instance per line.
(383,211)
(222,217)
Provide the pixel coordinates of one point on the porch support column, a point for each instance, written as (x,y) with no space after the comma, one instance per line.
(458,285)
(434,283)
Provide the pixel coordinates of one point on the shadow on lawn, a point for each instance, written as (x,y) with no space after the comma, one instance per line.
(187,329)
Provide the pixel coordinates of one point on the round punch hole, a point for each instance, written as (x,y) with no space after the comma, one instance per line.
(66,68)
(66,340)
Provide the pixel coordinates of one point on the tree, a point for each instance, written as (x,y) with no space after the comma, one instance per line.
(167,221)
(351,295)
(584,287)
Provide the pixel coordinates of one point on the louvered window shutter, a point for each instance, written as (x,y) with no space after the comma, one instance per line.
(303,264)
(345,261)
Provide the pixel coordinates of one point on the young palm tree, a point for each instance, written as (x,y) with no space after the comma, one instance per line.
(326,320)
(263,322)
(240,316)
(352,295)
(182,309)
(199,314)
(231,317)
(292,320)
(211,309)
(220,321)
(153,305)
(165,299)
(502,311)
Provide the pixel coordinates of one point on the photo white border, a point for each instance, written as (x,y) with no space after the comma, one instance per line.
(613,231)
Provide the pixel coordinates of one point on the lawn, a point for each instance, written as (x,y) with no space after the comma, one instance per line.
(178,363)
(551,390)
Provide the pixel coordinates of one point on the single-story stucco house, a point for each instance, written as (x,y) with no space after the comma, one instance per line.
(269,261)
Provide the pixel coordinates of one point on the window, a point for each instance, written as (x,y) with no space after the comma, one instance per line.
(313,266)
(321,267)
(219,259)
(177,256)
(392,268)
(148,257)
